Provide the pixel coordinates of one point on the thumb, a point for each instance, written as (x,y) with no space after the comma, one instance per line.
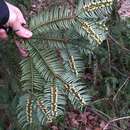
(21,31)
(3,34)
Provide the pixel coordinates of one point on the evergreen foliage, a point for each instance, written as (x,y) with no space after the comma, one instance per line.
(52,73)
(75,58)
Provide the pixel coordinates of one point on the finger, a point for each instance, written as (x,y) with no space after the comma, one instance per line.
(3,34)
(21,31)
(23,51)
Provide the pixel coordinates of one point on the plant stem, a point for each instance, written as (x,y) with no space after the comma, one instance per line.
(114,120)
(123,85)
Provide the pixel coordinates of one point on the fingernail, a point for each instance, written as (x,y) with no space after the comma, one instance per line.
(29,34)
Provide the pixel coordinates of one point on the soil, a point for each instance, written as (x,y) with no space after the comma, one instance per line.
(40,5)
(35,6)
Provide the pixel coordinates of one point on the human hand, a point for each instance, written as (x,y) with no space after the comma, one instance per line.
(16,22)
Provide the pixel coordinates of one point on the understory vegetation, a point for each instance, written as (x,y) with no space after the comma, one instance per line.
(73,74)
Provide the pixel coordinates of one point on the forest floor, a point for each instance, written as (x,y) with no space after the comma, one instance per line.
(35,6)
(32,7)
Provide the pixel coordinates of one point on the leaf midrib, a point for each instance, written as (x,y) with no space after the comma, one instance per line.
(52,21)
